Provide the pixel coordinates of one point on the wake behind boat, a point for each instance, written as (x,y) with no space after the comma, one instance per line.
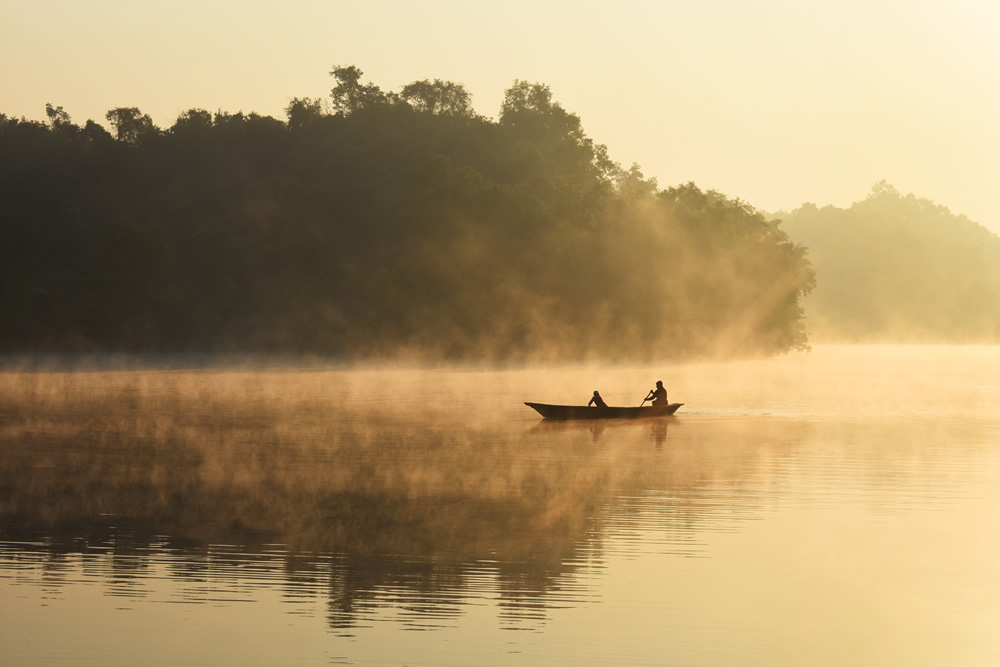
(585,412)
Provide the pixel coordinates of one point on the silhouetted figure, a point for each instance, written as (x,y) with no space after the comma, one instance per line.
(658,395)
(597,401)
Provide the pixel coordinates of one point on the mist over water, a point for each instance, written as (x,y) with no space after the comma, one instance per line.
(836,507)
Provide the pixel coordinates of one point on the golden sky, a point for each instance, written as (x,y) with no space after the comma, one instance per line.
(777,102)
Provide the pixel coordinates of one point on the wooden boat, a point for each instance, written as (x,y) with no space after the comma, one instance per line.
(583,412)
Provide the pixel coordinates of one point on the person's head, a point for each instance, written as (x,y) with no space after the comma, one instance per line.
(595,393)
(659,384)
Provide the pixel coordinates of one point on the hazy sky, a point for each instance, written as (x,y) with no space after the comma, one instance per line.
(777,102)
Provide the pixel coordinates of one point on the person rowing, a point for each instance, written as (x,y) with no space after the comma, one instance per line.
(658,395)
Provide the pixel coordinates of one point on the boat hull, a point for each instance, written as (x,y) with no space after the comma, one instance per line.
(583,412)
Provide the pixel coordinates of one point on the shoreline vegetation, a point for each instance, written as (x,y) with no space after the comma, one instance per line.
(404,226)
(894,268)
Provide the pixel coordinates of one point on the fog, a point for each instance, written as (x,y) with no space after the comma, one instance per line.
(403,226)
(425,497)
(308,341)
(344,459)
(393,229)
(899,268)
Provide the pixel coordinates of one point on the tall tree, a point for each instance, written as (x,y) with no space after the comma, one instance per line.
(130,125)
(193,121)
(302,111)
(350,95)
(529,111)
(438,97)
(56,115)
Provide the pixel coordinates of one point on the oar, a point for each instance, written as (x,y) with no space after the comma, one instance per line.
(649,396)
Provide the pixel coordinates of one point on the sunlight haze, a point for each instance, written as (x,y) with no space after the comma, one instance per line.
(393,332)
(774,102)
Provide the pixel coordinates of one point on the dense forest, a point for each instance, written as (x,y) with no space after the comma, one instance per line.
(899,268)
(377,225)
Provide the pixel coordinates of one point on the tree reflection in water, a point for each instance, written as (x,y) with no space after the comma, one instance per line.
(230,484)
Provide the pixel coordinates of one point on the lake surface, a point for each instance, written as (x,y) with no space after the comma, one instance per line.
(840,507)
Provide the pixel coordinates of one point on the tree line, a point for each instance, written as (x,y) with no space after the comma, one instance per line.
(377,225)
(899,268)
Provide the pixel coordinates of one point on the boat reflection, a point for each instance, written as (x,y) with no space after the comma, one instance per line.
(656,429)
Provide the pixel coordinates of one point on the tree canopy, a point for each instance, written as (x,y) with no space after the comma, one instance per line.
(394,225)
(899,268)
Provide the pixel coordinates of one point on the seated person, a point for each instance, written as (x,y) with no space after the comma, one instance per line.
(659,395)
(597,401)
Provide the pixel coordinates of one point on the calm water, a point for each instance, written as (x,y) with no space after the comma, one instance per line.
(834,508)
